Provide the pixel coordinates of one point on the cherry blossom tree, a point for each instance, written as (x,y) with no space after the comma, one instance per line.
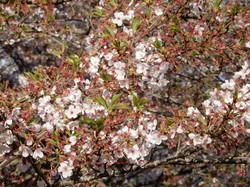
(157,85)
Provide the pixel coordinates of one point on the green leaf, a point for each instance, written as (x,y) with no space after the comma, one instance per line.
(236,9)
(120,44)
(77,133)
(157,44)
(105,77)
(58,52)
(170,121)
(99,121)
(176,30)
(143,102)
(98,12)
(55,133)
(175,20)
(124,43)
(102,101)
(196,53)
(139,103)
(216,4)
(86,120)
(98,125)
(36,75)
(10,15)
(114,3)
(120,106)
(136,23)
(135,100)
(53,142)
(74,60)
(236,93)
(68,132)
(93,124)
(117,44)
(242,40)
(109,32)
(115,98)
(149,13)
(202,120)
(17,102)
(51,17)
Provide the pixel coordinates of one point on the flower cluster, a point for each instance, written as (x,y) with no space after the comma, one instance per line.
(226,111)
(101,112)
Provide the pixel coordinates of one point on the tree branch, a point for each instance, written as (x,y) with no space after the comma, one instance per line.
(7,161)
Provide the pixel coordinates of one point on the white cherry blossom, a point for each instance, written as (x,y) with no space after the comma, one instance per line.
(199,29)
(155,138)
(179,129)
(119,17)
(66,169)
(228,97)
(25,151)
(73,140)
(247,44)
(108,56)
(95,60)
(119,65)
(72,111)
(198,139)
(141,68)
(38,153)
(152,125)
(4,149)
(230,85)
(158,11)
(48,126)
(130,15)
(139,55)
(7,137)
(44,100)
(133,152)
(29,142)
(8,122)
(244,72)
(192,112)
(140,51)
(67,148)
(120,74)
